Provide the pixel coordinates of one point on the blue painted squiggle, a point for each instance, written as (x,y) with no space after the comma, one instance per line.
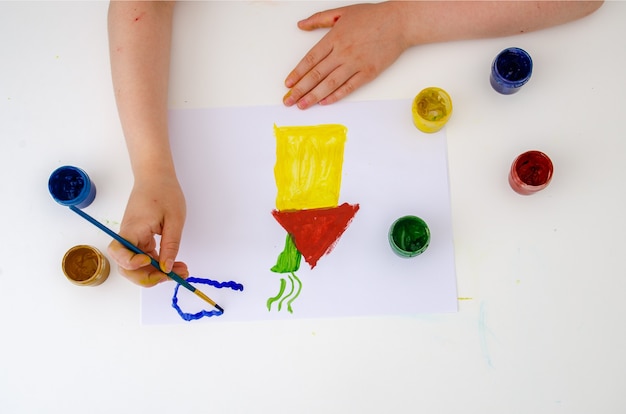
(219,285)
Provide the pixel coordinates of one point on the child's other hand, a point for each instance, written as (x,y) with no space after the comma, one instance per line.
(155,206)
(363,41)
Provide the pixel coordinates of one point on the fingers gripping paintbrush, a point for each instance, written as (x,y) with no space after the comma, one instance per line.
(137,250)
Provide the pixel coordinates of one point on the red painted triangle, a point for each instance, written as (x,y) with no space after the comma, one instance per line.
(316,231)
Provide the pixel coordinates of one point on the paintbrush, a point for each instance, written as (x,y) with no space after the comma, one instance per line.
(153,261)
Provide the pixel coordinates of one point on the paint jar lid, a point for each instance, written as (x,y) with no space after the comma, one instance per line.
(85,266)
(71,186)
(409,236)
(431,109)
(530,172)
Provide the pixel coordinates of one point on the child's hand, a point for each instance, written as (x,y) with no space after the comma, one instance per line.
(155,206)
(363,41)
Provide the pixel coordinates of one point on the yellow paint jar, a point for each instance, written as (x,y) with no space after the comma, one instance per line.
(432,108)
(85,266)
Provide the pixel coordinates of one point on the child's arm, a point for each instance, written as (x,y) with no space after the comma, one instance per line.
(139,42)
(366,38)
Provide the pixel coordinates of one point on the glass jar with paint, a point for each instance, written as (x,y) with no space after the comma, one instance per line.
(409,236)
(510,70)
(530,172)
(432,108)
(71,186)
(85,266)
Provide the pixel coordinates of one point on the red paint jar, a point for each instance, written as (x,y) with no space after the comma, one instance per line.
(530,172)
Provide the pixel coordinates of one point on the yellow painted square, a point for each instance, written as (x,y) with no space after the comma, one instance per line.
(309,162)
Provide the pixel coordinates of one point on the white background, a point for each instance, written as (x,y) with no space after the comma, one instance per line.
(540,329)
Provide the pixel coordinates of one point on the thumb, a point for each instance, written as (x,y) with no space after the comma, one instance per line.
(320,20)
(170,243)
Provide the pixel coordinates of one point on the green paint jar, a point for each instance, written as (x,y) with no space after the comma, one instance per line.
(409,236)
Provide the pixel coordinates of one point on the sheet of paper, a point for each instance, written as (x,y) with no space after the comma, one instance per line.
(225,159)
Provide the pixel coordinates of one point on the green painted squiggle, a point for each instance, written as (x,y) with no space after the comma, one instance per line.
(280,304)
(296,294)
(275,298)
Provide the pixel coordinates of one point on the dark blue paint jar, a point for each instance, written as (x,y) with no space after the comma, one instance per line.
(71,186)
(510,70)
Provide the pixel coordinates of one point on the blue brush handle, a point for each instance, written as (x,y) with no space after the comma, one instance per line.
(131,247)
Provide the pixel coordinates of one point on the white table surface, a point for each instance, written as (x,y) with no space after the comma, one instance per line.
(540,327)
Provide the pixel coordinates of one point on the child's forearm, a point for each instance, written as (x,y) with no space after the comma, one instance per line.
(139,42)
(440,21)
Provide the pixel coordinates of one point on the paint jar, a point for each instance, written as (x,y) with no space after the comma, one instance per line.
(71,186)
(530,172)
(409,236)
(510,70)
(432,108)
(85,266)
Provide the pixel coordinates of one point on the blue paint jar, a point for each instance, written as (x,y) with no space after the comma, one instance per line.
(71,186)
(510,70)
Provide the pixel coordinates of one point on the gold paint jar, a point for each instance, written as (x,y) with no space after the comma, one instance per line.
(85,266)
(432,108)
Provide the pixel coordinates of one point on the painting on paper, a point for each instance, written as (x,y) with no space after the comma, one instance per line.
(295,206)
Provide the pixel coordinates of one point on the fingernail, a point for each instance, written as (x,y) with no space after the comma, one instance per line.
(146,260)
(288,100)
(167,266)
